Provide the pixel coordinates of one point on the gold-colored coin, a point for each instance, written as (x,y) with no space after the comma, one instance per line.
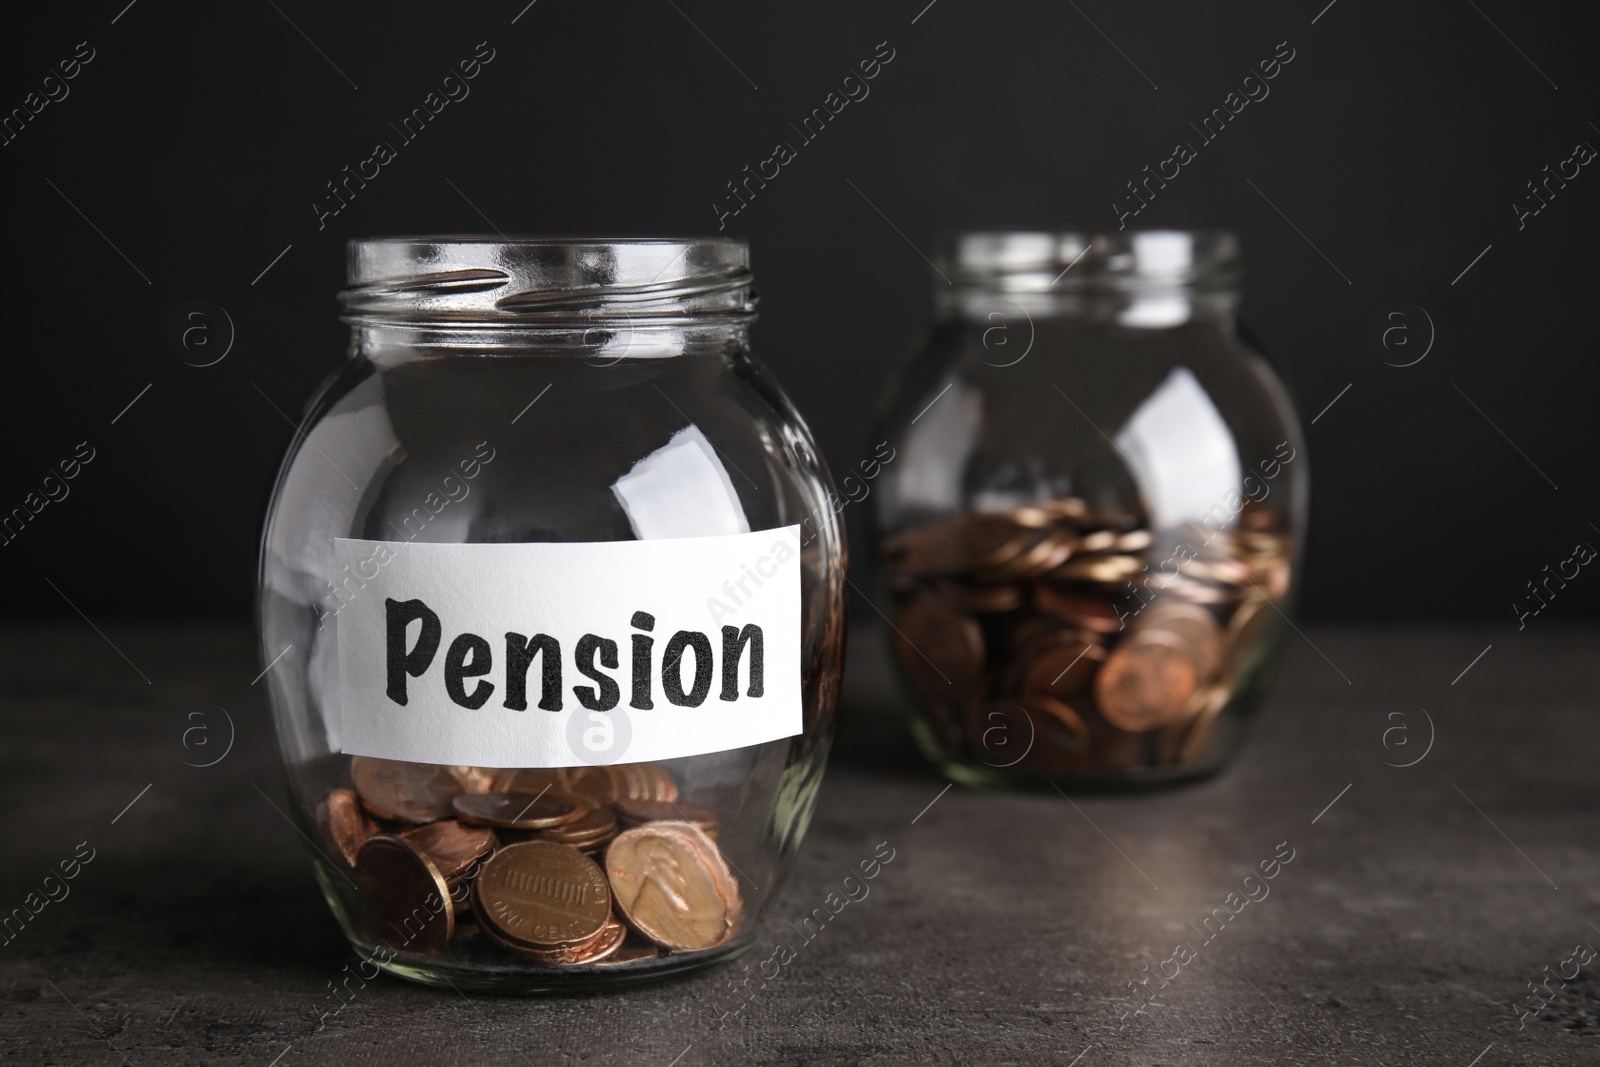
(540,894)
(404,792)
(517,811)
(452,847)
(1146,681)
(343,824)
(673,886)
(408,903)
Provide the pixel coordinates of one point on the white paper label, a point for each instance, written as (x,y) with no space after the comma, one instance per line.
(558,655)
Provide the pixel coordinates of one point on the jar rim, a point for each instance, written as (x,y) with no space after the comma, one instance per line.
(542,280)
(1075,261)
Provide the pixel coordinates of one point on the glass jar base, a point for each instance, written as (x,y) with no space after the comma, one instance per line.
(468,971)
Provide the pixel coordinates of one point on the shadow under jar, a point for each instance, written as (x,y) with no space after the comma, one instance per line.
(551,595)
(1091,532)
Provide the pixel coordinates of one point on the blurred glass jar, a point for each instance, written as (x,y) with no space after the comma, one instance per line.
(550,462)
(1091,534)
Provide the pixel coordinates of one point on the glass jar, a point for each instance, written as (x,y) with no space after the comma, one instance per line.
(551,596)
(1091,532)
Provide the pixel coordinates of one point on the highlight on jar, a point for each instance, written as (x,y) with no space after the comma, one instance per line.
(533,742)
(1091,544)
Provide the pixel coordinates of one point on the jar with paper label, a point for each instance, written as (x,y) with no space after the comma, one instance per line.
(1090,539)
(551,609)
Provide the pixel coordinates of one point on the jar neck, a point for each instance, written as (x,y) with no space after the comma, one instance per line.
(1133,308)
(602,343)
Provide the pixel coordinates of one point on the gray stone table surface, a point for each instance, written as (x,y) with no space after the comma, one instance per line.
(1420,908)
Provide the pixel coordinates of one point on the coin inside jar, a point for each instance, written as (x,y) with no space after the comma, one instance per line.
(941,648)
(452,847)
(408,903)
(517,811)
(343,824)
(639,812)
(542,894)
(404,792)
(1146,681)
(673,886)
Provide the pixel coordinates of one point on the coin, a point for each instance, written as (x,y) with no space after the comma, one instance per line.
(453,848)
(408,903)
(1049,550)
(642,781)
(343,824)
(1102,569)
(940,648)
(1194,626)
(591,824)
(1092,611)
(596,786)
(673,885)
(517,811)
(639,812)
(1058,724)
(969,542)
(606,942)
(535,780)
(404,792)
(540,894)
(1146,681)
(1059,663)
(982,599)
(474,779)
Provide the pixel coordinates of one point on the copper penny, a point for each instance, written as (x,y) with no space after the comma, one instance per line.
(533,780)
(673,886)
(1091,611)
(404,792)
(452,847)
(474,779)
(1146,681)
(540,895)
(1063,737)
(638,812)
(408,903)
(940,648)
(343,824)
(1191,624)
(1102,569)
(592,823)
(1059,664)
(517,811)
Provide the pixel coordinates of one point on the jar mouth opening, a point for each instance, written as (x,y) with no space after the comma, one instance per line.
(1084,261)
(537,281)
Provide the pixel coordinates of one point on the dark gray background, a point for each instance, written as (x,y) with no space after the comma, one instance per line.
(1397,140)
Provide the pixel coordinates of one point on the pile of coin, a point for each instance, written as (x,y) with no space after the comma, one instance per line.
(1058,641)
(560,867)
